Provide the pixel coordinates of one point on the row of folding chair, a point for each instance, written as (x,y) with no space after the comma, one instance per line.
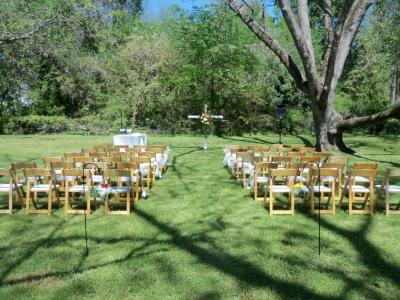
(331,183)
(38,181)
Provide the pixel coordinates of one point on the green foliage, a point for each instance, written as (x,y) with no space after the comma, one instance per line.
(392,126)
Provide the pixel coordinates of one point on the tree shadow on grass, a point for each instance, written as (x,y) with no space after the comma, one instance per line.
(369,255)
(242,270)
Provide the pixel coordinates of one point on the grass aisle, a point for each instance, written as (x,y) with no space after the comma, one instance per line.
(198,236)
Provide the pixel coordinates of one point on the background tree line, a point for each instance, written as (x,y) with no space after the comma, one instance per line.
(78,66)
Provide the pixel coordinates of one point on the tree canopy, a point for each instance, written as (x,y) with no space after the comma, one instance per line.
(100,59)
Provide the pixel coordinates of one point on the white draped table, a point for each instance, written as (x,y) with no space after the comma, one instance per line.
(133,139)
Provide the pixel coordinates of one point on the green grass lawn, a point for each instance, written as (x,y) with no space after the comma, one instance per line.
(198,236)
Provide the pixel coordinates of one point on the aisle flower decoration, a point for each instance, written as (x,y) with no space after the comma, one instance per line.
(300,190)
(205,119)
(102,190)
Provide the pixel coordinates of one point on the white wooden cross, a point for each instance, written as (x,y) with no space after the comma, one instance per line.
(205,129)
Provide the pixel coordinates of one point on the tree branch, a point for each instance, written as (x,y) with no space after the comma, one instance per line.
(273,45)
(300,39)
(327,9)
(11,39)
(344,35)
(348,124)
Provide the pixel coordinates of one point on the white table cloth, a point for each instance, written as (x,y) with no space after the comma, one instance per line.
(134,139)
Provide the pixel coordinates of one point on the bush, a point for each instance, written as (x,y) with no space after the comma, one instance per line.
(392,126)
(35,124)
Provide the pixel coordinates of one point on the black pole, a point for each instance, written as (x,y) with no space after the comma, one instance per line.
(84,201)
(280,131)
(319,201)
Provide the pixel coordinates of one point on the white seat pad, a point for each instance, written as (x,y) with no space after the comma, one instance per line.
(78,188)
(119,189)
(126,179)
(359,179)
(300,179)
(42,187)
(280,189)
(97,178)
(262,179)
(322,188)
(5,187)
(359,189)
(392,188)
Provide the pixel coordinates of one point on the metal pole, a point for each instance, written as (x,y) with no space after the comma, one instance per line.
(280,131)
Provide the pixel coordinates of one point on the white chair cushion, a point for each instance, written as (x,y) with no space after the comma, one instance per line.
(328,178)
(280,189)
(300,179)
(392,188)
(65,178)
(359,189)
(322,188)
(31,178)
(5,187)
(359,179)
(78,188)
(97,178)
(126,179)
(42,187)
(262,179)
(119,189)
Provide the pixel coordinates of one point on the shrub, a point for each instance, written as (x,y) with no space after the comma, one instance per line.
(392,126)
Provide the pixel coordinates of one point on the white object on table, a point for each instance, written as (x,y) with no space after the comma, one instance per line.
(134,139)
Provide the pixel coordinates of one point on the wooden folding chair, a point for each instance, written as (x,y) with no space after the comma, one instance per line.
(275,147)
(144,169)
(97,156)
(47,160)
(244,166)
(388,188)
(101,148)
(296,147)
(113,178)
(77,182)
(367,190)
(10,186)
(323,182)
(80,161)
(282,161)
(69,156)
(86,151)
(18,170)
(135,179)
(308,150)
(34,187)
(324,156)
(340,167)
(281,182)
(57,167)
(261,177)
(295,156)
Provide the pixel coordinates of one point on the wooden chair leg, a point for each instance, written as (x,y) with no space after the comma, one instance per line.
(10,201)
(66,203)
(271,202)
(50,200)
(387,203)
(291,197)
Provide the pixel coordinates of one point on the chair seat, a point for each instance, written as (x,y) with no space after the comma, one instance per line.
(322,188)
(359,178)
(31,178)
(280,189)
(43,187)
(359,189)
(262,179)
(329,178)
(97,178)
(119,189)
(5,187)
(128,179)
(78,188)
(392,188)
(65,178)
(300,179)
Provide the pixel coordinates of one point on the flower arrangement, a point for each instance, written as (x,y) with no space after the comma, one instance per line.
(205,119)
(300,190)
(103,190)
